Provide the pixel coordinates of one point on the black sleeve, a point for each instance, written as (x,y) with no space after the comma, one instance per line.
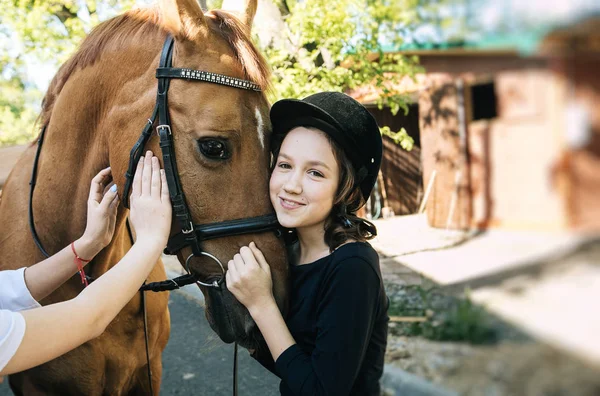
(345,320)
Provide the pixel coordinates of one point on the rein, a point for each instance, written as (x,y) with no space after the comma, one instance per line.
(191,234)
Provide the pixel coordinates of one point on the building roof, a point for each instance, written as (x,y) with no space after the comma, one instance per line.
(503,25)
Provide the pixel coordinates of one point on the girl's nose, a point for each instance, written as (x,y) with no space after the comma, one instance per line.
(293,184)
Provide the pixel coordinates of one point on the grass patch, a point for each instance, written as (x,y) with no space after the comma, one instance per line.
(448,318)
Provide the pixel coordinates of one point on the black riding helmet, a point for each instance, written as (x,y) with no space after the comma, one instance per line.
(348,123)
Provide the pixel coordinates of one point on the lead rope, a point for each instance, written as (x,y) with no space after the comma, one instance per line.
(146,340)
(144,312)
(36,238)
(235,365)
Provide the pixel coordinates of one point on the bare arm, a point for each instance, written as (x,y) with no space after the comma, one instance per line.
(273,328)
(46,276)
(56,329)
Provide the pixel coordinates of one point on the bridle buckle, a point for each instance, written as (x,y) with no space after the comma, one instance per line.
(190,230)
(163,126)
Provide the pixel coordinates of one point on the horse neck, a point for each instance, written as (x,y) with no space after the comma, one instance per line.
(78,145)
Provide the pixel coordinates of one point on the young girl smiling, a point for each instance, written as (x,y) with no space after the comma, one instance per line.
(327,151)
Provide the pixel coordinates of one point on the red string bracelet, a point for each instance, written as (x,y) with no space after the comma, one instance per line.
(79,263)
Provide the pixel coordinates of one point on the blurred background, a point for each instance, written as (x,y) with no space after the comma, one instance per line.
(487,202)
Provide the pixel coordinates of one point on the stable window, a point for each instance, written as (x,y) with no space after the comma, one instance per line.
(484,101)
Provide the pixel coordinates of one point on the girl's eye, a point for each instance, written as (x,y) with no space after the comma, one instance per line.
(315,173)
(284,165)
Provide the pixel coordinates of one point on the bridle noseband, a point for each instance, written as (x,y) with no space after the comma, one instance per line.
(191,234)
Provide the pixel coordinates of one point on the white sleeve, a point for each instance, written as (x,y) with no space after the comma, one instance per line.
(14,294)
(12,330)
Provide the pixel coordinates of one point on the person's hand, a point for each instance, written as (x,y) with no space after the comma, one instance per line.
(101,212)
(248,278)
(150,212)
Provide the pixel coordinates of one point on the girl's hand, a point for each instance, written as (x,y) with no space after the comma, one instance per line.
(102,212)
(150,212)
(248,278)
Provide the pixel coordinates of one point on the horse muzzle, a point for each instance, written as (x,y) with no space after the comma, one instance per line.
(229,318)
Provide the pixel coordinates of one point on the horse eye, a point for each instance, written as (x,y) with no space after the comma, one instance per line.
(214,149)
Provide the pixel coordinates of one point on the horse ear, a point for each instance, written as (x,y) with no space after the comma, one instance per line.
(184,18)
(244,9)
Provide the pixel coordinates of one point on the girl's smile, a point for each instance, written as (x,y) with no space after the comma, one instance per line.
(290,204)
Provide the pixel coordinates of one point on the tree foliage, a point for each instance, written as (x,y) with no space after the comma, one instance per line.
(50,30)
(325,45)
(17,116)
(43,33)
(339,46)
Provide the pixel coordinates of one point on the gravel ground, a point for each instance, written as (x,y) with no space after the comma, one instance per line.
(502,361)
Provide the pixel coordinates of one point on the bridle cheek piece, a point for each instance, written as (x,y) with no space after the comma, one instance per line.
(191,234)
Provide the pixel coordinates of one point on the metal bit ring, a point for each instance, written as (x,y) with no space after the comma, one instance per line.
(216,283)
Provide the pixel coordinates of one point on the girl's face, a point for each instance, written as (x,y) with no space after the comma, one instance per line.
(305,179)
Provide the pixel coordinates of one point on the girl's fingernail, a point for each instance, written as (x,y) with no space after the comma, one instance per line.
(113,188)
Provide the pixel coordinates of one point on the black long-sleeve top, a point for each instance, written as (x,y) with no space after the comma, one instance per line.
(338,317)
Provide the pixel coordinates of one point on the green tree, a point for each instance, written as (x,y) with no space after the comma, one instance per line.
(324,45)
(50,30)
(42,32)
(339,45)
(17,112)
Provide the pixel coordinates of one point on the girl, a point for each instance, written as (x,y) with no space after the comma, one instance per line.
(327,155)
(37,334)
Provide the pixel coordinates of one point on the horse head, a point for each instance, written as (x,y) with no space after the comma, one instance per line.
(220,133)
(221,140)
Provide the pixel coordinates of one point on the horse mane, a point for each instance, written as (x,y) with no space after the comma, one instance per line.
(236,33)
(142,22)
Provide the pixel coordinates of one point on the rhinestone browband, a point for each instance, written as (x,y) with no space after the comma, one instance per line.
(200,75)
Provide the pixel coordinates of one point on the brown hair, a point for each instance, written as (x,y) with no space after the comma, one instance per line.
(342,224)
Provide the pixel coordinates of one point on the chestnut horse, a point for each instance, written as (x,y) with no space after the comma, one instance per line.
(94,111)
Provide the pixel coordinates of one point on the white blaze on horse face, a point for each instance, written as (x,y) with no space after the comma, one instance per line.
(260,126)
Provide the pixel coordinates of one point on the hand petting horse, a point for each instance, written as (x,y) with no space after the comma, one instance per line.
(92,115)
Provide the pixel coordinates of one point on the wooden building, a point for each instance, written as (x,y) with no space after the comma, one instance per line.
(401,170)
(513,139)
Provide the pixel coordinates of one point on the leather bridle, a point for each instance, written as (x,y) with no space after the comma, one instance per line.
(191,234)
